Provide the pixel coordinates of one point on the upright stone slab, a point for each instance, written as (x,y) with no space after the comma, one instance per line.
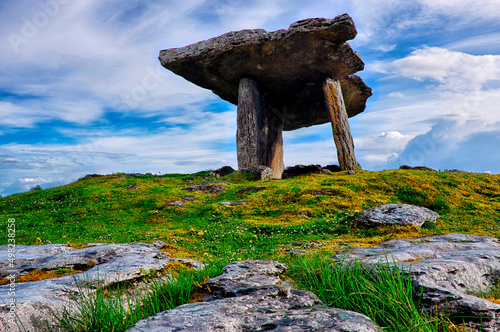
(274,133)
(250,133)
(340,125)
(259,134)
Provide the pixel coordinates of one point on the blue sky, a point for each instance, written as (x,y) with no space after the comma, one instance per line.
(82,91)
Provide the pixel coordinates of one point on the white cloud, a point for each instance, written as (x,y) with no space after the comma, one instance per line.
(453,70)
(486,43)
(453,145)
(376,151)
(92,56)
(396,95)
(391,22)
(486,9)
(206,144)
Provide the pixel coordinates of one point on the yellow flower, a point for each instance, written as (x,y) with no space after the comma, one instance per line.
(38,239)
(205,254)
(255,235)
(251,241)
(192,229)
(201,233)
(64,236)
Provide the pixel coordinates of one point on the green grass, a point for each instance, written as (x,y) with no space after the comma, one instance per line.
(105,310)
(100,209)
(287,214)
(381,292)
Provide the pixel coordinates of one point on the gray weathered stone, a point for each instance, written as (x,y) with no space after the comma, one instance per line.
(259,172)
(397,214)
(158,244)
(290,66)
(418,168)
(35,301)
(340,124)
(250,296)
(298,170)
(259,134)
(446,269)
(224,170)
(132,187)
(333,168)
(174,203)
(211,188)
(234,203)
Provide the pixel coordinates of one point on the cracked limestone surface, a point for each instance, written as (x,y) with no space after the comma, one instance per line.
(446,270)
(250,296)
(108,264)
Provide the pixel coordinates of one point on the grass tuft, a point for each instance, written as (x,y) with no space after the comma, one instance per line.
(381,292)
(116,311)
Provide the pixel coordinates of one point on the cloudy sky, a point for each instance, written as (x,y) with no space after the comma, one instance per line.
(82,91)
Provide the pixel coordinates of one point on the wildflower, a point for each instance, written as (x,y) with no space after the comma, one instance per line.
(201,233)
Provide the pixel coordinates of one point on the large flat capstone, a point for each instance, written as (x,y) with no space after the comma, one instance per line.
(290,67)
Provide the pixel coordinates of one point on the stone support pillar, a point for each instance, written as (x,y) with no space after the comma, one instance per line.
(340,125)
(259,133)
(274,134)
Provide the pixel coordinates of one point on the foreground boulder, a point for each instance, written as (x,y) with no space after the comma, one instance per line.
(397,215)
(250,296)
(446,270)
(106,265)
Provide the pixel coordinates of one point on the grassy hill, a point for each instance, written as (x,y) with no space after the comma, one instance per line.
(312,212)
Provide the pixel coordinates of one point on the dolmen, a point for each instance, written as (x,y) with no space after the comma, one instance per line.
(281,80)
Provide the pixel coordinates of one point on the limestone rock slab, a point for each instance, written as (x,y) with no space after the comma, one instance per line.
(290,66)
(35,301)
(250,296)
(447,269)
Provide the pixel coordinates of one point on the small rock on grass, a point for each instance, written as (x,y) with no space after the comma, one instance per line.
(259,172)
(174,203)
(131,187)
(398,215)
(223,171)
(210,188)
(234,203)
